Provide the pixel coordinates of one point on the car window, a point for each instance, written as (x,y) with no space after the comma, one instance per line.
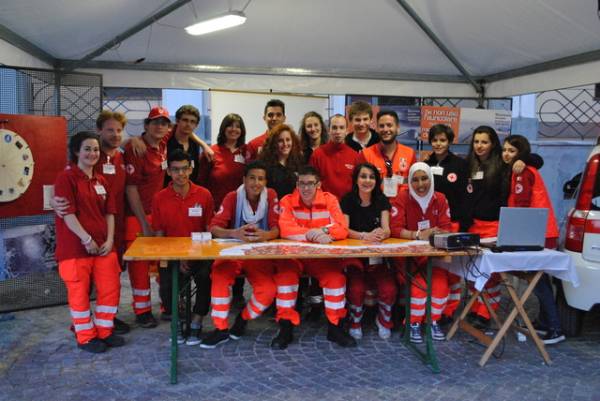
(595,204)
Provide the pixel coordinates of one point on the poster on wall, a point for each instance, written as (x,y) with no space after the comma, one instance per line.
(33,150)
(500,120)
(27,250)
(433,115)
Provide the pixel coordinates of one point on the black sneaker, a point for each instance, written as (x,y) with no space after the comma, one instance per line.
(146,320)
(553,337)
(215,338)
(285,335)
(95,346)
(239,328)
(114,340)
(121,327)
(337,335)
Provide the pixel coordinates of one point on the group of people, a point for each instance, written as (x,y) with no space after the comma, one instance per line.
(320,185)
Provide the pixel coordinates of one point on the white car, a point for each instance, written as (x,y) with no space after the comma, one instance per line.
(582,242)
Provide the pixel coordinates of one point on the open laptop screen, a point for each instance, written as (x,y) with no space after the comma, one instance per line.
(522,227)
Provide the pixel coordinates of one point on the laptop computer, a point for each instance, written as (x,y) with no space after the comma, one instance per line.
(520,229)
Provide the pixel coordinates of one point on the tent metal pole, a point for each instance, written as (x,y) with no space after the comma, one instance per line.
(127,34)
(413,14)
(20,42)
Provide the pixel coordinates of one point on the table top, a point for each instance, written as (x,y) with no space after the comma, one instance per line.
(183,248)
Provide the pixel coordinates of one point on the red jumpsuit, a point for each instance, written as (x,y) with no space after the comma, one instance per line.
(407,214)
(335,163)
(268,278)
(295,220)
(147,173)
(225,173)
(90,202)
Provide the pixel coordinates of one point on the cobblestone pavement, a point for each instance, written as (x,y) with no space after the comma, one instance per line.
(39,361)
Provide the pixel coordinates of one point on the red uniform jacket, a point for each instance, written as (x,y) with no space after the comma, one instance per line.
(406,213)
(403,158)
(225,217)
(335,163)
(297,218)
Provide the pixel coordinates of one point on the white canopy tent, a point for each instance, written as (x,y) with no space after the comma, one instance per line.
(386,47)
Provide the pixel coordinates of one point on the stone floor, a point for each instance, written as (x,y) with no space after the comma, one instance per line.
(39,361)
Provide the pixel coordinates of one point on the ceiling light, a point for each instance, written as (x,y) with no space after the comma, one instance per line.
(228,20)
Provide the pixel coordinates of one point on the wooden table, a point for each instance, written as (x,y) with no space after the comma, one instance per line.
(183,248)
(526,265)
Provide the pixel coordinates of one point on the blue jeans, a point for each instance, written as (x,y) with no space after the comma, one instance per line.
(548,311)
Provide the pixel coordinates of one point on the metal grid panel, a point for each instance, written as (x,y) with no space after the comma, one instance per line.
(78,97)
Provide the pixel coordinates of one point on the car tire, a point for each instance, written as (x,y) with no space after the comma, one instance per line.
(571,319)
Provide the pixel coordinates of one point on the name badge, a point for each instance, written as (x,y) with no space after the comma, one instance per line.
(163,165)
(390,187)
(437,170)
(195,211)
(423,225)
(399,179)
(375,261)
(478,175)
(193,164)
(108,168)
(239,159)
(100,190)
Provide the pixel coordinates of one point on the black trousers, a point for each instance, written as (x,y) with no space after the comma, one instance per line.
(199,272)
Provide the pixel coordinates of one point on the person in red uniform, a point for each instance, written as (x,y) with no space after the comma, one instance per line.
(226,171)
(145,177)
(85,248)
(361,116)
(367,211)
(312,133)
(178,210)
(335,161)
(274,115)
(391,158)
(527,189)
(417,213)
(250,214)
(309,214)
(109,126)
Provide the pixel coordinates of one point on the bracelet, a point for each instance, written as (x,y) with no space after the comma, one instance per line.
(87,241)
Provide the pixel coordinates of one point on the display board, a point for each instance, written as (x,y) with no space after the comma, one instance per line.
(27,137)
(250,106)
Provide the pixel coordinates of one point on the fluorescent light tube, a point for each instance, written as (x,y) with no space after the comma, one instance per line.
(229,20)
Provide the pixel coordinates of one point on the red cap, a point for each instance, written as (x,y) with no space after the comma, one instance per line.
(158,112)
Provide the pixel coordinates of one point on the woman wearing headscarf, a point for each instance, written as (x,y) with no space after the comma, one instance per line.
(417,213)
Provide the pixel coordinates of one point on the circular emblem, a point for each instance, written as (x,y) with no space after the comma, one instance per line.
(518,188)
(470,188)
(452,177)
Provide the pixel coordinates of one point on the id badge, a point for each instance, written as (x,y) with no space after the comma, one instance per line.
(108,168)
(399,179)
(437,170)
(195,211)
(100,190)
(478,175)
(390,187)
(193,164)
(163,165)
(239,159)
(375,261)
(423,225)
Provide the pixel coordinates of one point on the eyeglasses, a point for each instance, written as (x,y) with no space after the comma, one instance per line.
(177,170)
(307,185)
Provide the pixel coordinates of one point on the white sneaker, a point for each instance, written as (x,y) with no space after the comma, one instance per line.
(355,333)
(384,332)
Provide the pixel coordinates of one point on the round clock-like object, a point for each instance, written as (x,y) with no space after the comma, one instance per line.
(16,165)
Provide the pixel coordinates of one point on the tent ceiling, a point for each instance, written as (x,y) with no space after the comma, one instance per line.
(340,36)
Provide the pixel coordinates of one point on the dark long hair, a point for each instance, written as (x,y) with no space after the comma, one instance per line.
(377,192)
(304,139)
(227,122)
(493,166)
(522,145)
(268,153)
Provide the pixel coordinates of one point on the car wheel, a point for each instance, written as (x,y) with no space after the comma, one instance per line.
(571,319)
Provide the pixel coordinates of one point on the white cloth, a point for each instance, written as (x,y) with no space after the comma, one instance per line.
(423,201)
(248,215)
(478,269)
